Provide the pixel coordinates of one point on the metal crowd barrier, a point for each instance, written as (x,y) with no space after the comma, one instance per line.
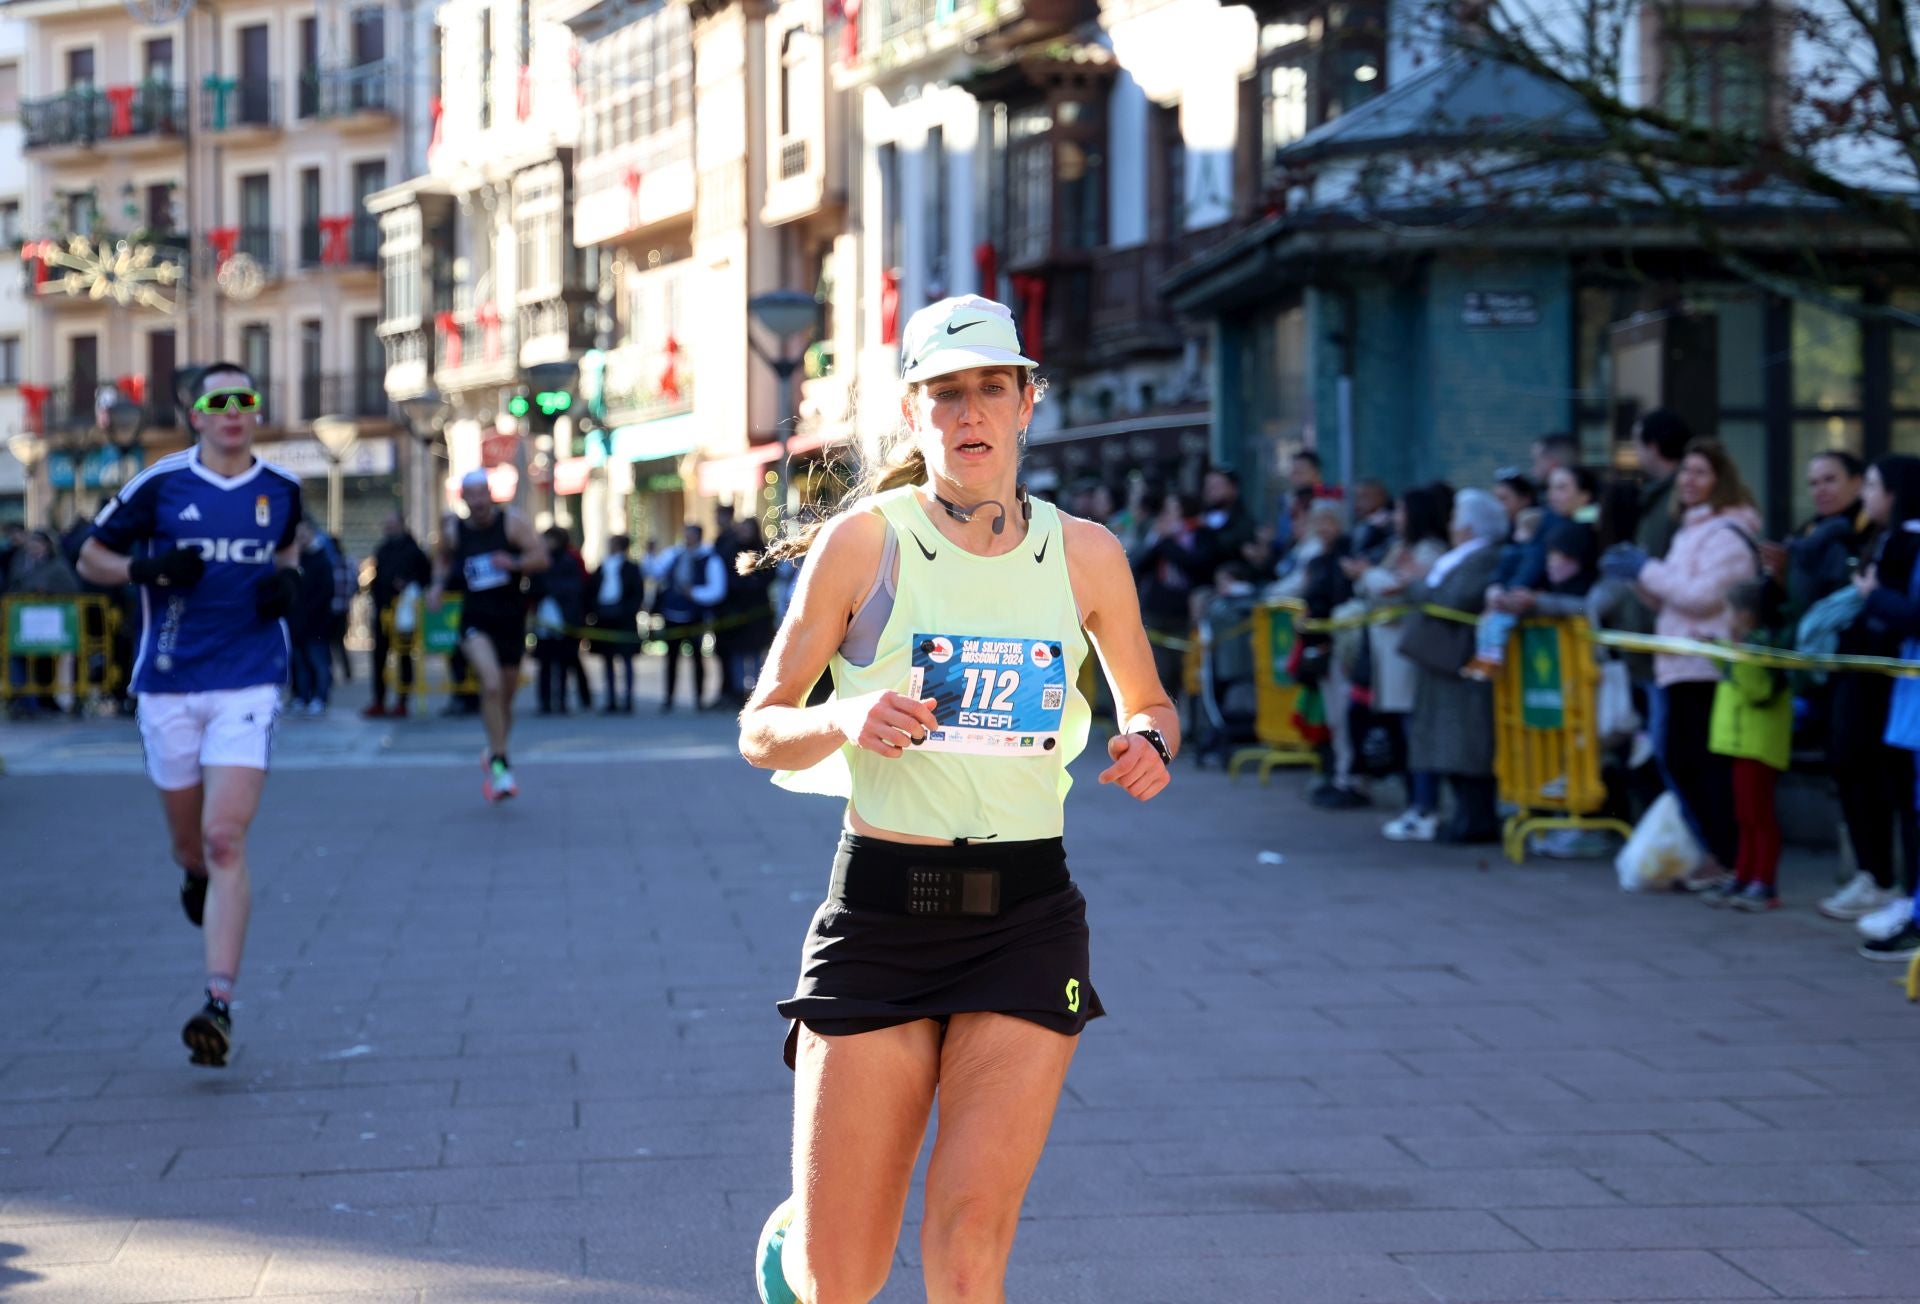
(76,629)
(1276,695)
(1547,750)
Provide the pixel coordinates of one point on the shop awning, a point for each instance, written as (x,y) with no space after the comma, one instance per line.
(649,441)
(742,473)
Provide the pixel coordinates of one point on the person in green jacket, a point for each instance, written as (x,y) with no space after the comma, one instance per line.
(1753,724)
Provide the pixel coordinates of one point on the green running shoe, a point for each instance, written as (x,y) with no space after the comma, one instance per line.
(768,1274)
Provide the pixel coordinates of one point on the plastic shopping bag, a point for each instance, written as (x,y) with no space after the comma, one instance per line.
(1618,720)
(406,611)
(1661,850)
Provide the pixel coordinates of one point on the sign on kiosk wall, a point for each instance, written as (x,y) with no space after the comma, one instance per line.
(440,629)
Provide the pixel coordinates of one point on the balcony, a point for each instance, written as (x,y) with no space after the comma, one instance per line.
(475,347)
(361,394)
(640,185)
(410,357)
(367,95)
(556,327)
(150,116)
(262,244)
(251,106)
(344,242)
(642,383)
(1129,315)
(897,34)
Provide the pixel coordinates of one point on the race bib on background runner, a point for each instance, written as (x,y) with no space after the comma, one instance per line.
(992,696)
(482,574)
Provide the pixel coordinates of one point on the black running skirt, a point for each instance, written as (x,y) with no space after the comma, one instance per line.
(869,963)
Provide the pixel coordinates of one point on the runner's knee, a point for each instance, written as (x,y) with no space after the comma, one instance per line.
(965,1240)
(226,843)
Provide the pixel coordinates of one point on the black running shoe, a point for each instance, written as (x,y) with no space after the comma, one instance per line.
(209,1034)
(193,897)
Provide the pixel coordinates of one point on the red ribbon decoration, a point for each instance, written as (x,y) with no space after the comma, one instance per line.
(35,397)
(436,109)
(523,97)
(132,388)
(631,179)
(488,315)
(38,252)
(222,240)
(670,373)
(890,305)
(334,252)
(850,33)
(986,261)
(1032,292)
(121,98)
(450,338)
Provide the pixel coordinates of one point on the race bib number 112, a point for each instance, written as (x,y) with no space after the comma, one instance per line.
(993,696)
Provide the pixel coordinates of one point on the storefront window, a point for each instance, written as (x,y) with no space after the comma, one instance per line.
(1741,348)
(1906,355)
(1826,358)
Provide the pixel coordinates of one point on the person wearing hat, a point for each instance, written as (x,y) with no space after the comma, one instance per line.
(951,954)
(483,556)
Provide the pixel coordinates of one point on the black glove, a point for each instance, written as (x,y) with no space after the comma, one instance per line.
(273,596)
(179,569)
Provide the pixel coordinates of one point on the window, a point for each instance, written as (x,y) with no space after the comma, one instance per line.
(1168,201)
(9,223)
(159,208)
(83,366)
(256,353)
(369,368)
(9,359)
(523,35)
(312,400)
(891,219)
(1328,60)
(369,28)
(486,68)
(400,265)
(9,90)
(787,62)
(309,67)
(1716,67)
(539,226)
(1029,184)
(162,361)
(80,69)
(933,183)
(157,59)
(309,217)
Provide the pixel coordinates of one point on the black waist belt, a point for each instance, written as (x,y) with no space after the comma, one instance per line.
(945,882)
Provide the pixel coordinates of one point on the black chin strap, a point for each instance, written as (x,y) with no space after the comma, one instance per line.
(965,515)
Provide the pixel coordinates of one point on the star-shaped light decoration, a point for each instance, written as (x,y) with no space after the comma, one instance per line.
(124,272)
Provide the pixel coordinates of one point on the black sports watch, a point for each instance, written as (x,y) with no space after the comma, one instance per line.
(1159,744)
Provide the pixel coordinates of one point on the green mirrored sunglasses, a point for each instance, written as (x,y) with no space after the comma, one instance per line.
(228,400)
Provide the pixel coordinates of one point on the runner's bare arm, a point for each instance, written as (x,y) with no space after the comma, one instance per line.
(777,730)
(533,550)
(1103,585)
(99,564)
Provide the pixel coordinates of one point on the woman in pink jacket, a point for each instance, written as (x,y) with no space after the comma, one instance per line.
(1716,548)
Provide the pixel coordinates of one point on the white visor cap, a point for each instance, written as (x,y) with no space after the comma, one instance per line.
(955,334)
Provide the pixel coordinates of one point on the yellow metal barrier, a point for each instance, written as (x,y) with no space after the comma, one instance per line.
(436,634)
(75,629)
(1276,695)
(1546,733)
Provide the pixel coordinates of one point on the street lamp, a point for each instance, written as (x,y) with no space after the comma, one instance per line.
(123,420)
(336,436)
(28,449)
(426,413)
(785,313)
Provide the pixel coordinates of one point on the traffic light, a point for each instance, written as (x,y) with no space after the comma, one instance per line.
(548,394)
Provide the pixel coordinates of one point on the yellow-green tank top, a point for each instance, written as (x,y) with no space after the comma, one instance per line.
(1014,611)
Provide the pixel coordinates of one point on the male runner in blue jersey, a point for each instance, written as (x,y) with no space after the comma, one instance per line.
(208,536)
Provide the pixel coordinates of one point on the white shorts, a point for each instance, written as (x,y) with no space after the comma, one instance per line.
(184,731)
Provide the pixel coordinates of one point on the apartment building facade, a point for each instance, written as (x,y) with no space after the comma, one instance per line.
(14,478)
(197,192)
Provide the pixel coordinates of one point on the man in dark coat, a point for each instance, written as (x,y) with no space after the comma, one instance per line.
(616,593)
(398,563)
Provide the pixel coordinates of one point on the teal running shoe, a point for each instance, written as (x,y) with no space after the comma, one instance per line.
(768,1274)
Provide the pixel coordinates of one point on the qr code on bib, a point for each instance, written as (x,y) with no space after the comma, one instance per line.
(1052,697)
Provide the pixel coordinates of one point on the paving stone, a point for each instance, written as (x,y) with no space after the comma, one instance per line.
(1832,1274)
(1754,1226)
(1582,1275)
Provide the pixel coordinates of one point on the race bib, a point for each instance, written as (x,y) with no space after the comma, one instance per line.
(992,696)
(482,574)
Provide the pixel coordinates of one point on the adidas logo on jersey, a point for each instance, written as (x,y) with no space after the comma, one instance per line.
(191,512)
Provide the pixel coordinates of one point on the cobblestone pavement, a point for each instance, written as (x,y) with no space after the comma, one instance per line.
(528,1053)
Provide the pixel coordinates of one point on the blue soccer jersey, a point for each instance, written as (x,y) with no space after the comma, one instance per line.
(208,637)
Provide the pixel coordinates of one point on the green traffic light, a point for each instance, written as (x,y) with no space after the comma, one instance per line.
(517,405)
(554,401)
